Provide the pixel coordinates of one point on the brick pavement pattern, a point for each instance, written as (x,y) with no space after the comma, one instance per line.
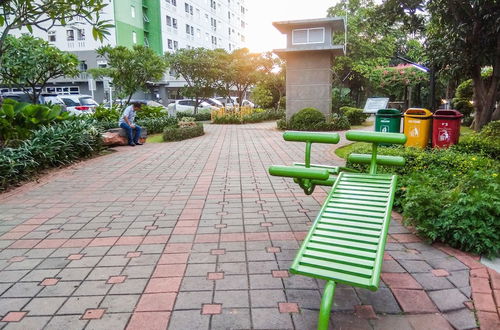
(196,235)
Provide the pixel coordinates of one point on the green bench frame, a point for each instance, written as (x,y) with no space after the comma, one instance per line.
(347,240)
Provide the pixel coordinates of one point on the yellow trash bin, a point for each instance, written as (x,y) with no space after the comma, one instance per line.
(417,127)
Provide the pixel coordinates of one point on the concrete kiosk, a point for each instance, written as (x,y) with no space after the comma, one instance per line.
(309,59)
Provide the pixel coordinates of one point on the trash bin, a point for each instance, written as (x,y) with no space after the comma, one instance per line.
(445,128)
(417,127)
(388,120)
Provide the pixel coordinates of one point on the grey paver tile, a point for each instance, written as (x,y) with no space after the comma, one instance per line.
(447,300)
(232,298)
(60,289)
(235,318)
(78,305)
(12,304)
(461,319)
(109,321)
(265,282)
(431,282)
(120,303)
(232,282)
(130,286)
(192,300)
(66,322)
(449,263)
(188,320)
(74,274)
(29,322)
(382,300)
(20,290)
(270,318)
(92,288)
(44,306)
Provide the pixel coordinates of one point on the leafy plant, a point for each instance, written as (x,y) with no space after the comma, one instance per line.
(205,116)
(151,112)
(307,119)
(107,114)
(355,116)
(173,133)
(157,125)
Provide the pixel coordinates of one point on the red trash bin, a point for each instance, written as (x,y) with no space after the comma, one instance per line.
(445,128)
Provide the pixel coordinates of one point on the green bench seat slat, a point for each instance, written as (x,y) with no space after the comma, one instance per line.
(360,184)
(361,188)
(342,250)
(329,274)
(338,258)
(364,198)
(354,212)
(352,217)
(362,193)
(335,266)
(355,202)
(352,224)
(336,203)
(349,230)
(343,243)
(347,237)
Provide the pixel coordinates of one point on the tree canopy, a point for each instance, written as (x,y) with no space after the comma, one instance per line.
(31,62)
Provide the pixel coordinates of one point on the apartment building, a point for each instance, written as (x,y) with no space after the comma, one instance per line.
(162,25)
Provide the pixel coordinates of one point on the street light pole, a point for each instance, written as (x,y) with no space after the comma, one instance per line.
(432,80)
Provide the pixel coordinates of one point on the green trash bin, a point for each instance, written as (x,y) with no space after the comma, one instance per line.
(388,121)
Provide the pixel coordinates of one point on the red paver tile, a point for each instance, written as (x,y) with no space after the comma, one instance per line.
(387,256)
(479,272)
(156,302)
(429,321)
(156,239)
(169,270)
(365,312)
(300,235)
(220,226)
(116,279)
(178,247)
(17,259)
(396,216)
(280,273)
(103,229)
(50,243)
(173,258)
(77,242)
(93,314)
(39,221)
(484,302)
(496,295)
(209,309)
(215,276)
(12,235)
(288,307)
(282,236)
(232,237)
(488,321)
(184,230)
(469,305)
(266,224)
(207,238)
(130,240)
(151,227)
(263,212)
(49,281)
(13,316)
(218,251)
(414,301)
(494,279)
(24,228)
(75,257)
(273,249)
(24,244)
(134,254)
(104,241)
(257,236)
(159,285)
(191,214)
(400,281)
(406,238)
(479,284)
(195,204)
(54,231)
(440,272)
(187,223)
(469,261)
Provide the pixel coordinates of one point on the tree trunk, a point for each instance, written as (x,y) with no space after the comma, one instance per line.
(195,111)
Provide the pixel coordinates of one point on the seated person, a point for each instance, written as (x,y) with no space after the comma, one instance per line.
(127,123)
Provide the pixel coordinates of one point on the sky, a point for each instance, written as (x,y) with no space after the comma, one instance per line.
(262,35)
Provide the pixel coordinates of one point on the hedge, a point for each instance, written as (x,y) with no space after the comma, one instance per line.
(173,133)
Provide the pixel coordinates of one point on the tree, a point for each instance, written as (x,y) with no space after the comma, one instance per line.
(247,69)
(131,69)
(465,36)
(45,14)
(31,62)
(197,66)
(271,85)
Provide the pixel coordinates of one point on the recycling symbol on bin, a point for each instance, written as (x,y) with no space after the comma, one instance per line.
(384,129)
(414,132)
(443,135)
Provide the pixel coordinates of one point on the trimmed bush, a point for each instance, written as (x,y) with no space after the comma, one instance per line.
(174,133)
(56,145)
(104,114)
(307,119)
(355,116)
(197,117)
(486,142)
(339,123)
(257,116)
(156,125)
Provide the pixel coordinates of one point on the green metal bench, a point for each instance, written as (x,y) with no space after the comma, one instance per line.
(347,240)
(308,175)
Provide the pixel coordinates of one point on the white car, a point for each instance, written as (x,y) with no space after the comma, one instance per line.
(232,101)
(188,106)
(79,104)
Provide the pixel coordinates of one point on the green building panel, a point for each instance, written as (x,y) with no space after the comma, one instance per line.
(152,25)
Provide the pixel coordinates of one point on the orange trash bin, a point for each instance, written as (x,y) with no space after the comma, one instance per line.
(417,127)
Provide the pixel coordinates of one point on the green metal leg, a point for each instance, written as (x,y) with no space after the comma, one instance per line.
(326,305)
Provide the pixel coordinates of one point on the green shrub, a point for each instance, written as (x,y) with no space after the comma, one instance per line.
(148,112)
(307,119)
(463,96)
(339,123)
(174,133)
(355,116)
(107,114)
(197,117)
(486,142)
(19,120)
(258,115)
(55,145)
(156,125)
(282,124)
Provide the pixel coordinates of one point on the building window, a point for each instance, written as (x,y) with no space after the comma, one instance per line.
(52,36)
(81,34)
(132,11)
(192,31)
(102,64)
(242,24)
(308,36)
(176,45)
(188,8)
(174,23)
(70,35)
(134,37)
(169,21)
(243,10)
(213,4)
(170,44)
(172,2)
(187,29)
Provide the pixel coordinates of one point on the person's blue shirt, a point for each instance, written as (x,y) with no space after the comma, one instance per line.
(129,113)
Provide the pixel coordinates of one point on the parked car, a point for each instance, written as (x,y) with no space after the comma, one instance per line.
(44,98)
(214,102)
(79,104)
(187,105)
(233,100)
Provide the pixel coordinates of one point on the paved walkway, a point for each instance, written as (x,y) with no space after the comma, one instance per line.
(197,235)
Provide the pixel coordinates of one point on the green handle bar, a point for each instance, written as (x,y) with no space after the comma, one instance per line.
(381,160)
(376,137)
(315,137)
(297,172)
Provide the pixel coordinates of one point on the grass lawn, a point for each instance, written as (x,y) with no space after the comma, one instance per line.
(155,138)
